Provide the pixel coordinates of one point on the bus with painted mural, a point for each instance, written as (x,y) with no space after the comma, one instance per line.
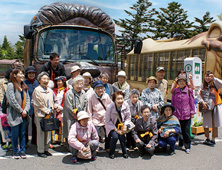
(80,34)
(171,53)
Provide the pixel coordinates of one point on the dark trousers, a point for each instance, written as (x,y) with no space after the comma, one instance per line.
(185,128)
(113,140)
(130,140)
(18,132)
(170,140)
(107,139)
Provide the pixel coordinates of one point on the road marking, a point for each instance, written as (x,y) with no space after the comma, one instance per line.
(33,156)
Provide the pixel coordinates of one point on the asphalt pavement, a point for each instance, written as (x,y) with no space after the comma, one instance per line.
(202,157)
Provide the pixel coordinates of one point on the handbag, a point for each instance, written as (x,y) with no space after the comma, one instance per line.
(85,155)
(49,124)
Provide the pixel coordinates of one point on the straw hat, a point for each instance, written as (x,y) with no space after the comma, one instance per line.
(151,78)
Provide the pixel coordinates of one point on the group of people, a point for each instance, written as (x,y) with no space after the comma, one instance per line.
(91,113)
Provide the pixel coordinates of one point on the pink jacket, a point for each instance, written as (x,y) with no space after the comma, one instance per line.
(111,116)
(183,103)
(96,110)
(79,136)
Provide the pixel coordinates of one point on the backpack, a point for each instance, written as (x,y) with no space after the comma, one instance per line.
(4,104)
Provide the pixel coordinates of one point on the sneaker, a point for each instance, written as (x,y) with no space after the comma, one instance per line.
(74,160)
(207,142)
(16,156)
(136,149)
(213,142)
(128,149)
(23,155)
(93,158)
(188,151)
(125,155)
(172,152)
(42,155)
(112,156)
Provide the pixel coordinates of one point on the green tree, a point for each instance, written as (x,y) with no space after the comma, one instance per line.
(137,25)
(7,49)
(203,24)
(19,47)
(6,43)
(170,21)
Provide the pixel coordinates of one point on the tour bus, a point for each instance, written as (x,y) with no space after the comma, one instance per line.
(171,53)
(80,34)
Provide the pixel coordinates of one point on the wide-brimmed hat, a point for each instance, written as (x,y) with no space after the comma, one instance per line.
(182,77)
(98,84)
(75,68)
(63,78)
(30,69)
(160,69)
(151,78)
(121,73)
(82,115)
(167,105)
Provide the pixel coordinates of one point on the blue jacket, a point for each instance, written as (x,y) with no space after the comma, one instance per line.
(31,89)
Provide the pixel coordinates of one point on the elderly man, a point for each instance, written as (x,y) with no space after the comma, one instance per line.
(162,83)
(54,68)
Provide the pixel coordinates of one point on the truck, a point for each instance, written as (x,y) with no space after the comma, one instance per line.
(81,35)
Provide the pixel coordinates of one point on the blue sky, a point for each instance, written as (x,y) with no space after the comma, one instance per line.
(17,13)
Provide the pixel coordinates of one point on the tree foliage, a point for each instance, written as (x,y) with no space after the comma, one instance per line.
(137,25)
(203,24)
(170,21)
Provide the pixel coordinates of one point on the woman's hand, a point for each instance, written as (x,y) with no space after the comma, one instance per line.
(119,131)
(205,106)
(148,146)
(191,116)
(124,129)
(190,76)
(58,110)
(24,113)
(155,107)
(166,134)
(160,130)
(84,149)
(138,140)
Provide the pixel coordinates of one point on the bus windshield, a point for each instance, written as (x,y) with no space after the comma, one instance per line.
(75,45)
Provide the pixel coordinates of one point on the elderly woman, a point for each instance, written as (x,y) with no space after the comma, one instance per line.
(83,134)
(19,105)
(87,84)
(183,102)
(135,110)
(32,83)
(117,121)
(151,97)
(145,132)
(121,84)
(59,91)
(169,127)
(97,105)
(75,71)
(43,106)
(104,77)
(75,101)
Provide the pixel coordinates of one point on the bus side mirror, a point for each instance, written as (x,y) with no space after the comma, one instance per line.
(138,46)
(28,32)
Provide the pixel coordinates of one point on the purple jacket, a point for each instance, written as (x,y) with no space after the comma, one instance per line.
(183,103)
(111,116)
